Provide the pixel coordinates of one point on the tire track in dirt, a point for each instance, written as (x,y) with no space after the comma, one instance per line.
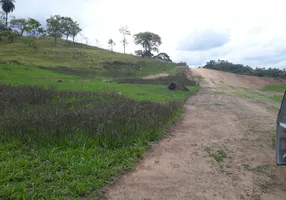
(219,150)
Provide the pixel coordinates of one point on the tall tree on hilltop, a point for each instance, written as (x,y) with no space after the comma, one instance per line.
(7,6)
(2,21)
(18,25)
(66,23)
(149,41)
(74,30)
(54,27)
(125,32)
(33,28)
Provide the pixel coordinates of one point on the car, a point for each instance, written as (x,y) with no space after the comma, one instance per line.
(281,133)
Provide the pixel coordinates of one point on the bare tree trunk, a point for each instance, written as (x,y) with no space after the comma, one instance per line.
(6,20)
(124,43)
(73,38)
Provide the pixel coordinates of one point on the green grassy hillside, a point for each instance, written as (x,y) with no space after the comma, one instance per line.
(99,62)
(73,117)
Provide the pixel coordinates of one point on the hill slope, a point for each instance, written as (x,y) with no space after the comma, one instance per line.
(99,62)
(73,117)
(216,77)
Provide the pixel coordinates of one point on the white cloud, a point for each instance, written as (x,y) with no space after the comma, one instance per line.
(255,29)
(203,40)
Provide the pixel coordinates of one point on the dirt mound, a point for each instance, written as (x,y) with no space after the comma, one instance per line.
(220,78)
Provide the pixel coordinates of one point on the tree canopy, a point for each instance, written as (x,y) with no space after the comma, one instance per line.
(2,21)
(224,65)
(149,41)
(66,26)
(54,27)
(74,29)
(7,6)
(19,25)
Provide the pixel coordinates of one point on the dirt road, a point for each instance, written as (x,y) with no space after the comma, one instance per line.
(221,149)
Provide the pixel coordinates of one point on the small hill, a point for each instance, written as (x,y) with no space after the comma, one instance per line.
(224,65)
(213,78)
(70,58)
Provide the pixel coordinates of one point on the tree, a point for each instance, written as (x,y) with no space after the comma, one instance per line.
(7,6)
(75,30)
(9,34)
(54,27)
(66,26)
(33,28)
(125,32)
(139,53)
(111,44)
(149,41)
(85,38)
(2,21)
(18,25)
(246,70)
(163,56)
(97,42)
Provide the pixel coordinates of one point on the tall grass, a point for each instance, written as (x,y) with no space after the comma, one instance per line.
(47,115)
(65,144)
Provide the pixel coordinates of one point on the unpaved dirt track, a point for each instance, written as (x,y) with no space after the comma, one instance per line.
(182,165)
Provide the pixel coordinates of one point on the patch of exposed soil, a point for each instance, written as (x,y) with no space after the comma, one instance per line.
(155,76)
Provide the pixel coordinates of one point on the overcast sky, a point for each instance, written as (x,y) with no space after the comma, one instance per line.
(251,32)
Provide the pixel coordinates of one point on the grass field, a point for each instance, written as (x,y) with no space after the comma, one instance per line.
(66,139)
(99,62)
(59,144)
(277,88)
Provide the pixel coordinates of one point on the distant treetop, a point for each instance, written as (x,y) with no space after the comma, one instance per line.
(224,65)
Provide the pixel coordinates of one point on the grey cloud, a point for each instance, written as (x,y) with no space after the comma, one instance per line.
(267,60)
(199,58)
(204,40)
(271,53)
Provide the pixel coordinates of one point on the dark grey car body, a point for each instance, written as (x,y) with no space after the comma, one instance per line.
(281,134)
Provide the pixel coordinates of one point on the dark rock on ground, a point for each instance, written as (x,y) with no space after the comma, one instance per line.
(176,86)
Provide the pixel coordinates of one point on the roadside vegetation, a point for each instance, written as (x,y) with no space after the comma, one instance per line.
(63,144)
(276,88)
(64,140)
(224,65)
